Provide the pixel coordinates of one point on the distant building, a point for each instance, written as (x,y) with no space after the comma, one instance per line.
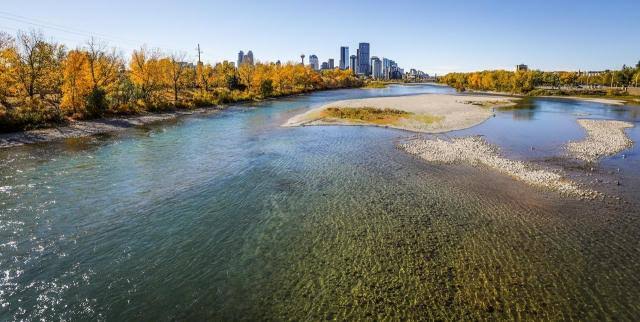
(392,69)
(416,75)
(325,65)
(386,67)
(313,62)
(364,68)
(245,59)
(353,63)
(240,58)
(376,67)
(522,68)
(344,58)
(249,58)
(331,63)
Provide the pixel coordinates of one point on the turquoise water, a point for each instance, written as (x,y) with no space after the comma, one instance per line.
(232,217)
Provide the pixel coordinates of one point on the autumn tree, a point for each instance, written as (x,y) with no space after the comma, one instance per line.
(175,71)
(246,73)
(77,81)
(35,64)
(7,51)
(146,72)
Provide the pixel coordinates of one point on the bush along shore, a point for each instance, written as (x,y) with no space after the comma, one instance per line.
(44,84)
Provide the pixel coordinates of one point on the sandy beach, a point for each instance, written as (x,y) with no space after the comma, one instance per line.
(604,138)
(88,128)
(442,112)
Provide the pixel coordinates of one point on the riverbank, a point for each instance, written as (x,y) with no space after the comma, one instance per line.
(77,129)
(608,101)
(427,113)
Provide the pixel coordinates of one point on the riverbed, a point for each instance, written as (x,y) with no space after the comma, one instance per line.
(232,217)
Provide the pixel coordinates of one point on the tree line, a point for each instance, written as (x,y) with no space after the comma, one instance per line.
(526,82)
(43,83)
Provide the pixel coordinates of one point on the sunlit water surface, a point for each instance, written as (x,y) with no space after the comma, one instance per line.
(231,216)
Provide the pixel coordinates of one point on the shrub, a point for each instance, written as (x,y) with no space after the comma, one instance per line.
(33,113)
(266,87)
(96,103)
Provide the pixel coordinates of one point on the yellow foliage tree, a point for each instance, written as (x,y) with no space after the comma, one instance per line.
(77,82)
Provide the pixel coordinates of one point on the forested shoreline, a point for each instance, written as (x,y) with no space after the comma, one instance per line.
(43,83)
(535,82)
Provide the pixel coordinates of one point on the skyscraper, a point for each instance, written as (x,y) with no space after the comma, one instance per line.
(386,67)
(249,57)
(240,58)
(353,63)
(376,67)
(364,68)
(331,63)
(313,62)
(344,58)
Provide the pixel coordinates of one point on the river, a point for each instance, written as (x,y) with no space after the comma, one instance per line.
(232,217)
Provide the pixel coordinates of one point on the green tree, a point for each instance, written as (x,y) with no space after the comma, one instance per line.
(266,87)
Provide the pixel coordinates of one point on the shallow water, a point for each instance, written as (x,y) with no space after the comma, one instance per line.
(231,216)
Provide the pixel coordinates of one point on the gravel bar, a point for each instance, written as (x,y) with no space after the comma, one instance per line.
(477,152)
(604,138)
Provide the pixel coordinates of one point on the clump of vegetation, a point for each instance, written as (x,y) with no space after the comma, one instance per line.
(366,114)
(375,84)
(384,116)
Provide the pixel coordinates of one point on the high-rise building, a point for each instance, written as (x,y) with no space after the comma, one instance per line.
(344,58)
(376,67)
(313,62)
(364,68)
(388,67)
(249,57)
(331,63)
(353,63)
(240,57)
(325,65)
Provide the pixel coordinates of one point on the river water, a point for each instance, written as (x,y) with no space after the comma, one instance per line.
(232,217)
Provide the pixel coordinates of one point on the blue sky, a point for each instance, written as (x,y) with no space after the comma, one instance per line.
(435,36)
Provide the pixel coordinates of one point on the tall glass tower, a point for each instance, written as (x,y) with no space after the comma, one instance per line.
(364,67)
(344,58)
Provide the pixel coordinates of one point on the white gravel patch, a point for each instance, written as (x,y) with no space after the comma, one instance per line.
(604,138)
(477,152)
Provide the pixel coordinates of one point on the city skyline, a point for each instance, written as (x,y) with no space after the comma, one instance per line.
(552,37)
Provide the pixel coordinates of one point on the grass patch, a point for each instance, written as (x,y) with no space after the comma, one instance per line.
(385,116)
(375,85)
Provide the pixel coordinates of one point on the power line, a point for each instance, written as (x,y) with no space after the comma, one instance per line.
(63,28)
(51,26)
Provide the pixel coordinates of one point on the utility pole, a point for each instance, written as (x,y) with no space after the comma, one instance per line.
(199,52)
